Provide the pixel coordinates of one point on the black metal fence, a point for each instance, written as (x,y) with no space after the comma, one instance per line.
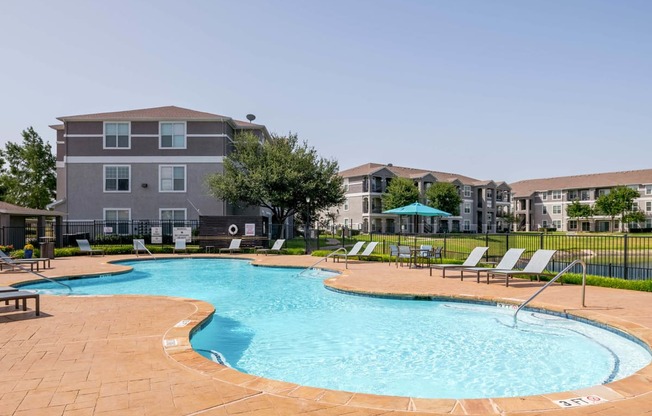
(620,256)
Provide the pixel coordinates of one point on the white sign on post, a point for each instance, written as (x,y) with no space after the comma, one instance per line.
(157,235)
(182,232)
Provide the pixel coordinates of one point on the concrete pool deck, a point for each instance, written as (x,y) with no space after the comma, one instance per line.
(130,355)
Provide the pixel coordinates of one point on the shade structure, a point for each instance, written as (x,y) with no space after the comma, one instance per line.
(417,209)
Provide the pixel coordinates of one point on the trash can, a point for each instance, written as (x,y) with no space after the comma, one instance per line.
(47,247)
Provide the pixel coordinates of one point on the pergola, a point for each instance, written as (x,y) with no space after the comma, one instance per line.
(13,224)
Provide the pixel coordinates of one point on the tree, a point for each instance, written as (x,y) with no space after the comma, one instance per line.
(29,178)
(444,196)
(578,210)
(617,202)
(400,192)
(278,174)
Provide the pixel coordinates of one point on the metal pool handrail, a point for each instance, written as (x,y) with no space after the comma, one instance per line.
(40,275)
(326,258)
(567,268)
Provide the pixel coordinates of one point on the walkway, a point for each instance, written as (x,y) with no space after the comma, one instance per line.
(130,355)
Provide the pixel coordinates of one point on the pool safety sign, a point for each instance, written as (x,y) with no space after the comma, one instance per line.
(157,235)
(182,232)
(580,401)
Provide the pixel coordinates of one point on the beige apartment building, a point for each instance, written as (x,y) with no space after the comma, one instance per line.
(484,205)
(541,203)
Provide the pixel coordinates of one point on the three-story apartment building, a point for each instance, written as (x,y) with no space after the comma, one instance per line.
(542,203)
(143,164)
(484,203)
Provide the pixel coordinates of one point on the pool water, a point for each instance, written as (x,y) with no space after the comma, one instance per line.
(273,323)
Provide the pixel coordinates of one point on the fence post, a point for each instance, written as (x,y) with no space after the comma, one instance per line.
(541,244)
(506,242)
(486,243)
(625,267)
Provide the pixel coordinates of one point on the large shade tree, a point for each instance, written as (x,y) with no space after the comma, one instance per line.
(400,192)
(279,174)
(444,196)
(28,171)
(617,202)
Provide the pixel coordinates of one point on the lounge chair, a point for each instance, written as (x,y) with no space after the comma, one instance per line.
(534,267)
(22,295)
(6,260)
(276,248)
(353,252)
(233,247)
(180,244)
(471,261)
(4,289)
(139,246)
(508,262)
(85,247)
(368,251)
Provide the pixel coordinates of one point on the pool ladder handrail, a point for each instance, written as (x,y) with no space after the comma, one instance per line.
(567,268)
(41,276)
(346,263)
(145,248)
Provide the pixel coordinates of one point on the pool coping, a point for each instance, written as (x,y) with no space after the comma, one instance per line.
(176,345)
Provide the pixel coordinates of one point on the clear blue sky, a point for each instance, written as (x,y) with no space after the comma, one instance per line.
(503,90)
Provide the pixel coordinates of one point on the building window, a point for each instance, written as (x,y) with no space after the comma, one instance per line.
(556,194)
(117,220)
(544,224)
(648,189)
(572,225)
(648,206)
(116,136)
(467,225)
(173,136)
(584,195)
(556,224)
(467,191)
(603,192)
(172,217)
(117,178)
(346,205)
(572,196)
(544,195)
(556,209)
(172,178)
(544,210)
(467,208)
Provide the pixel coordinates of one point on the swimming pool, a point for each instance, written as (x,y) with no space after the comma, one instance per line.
(271,323)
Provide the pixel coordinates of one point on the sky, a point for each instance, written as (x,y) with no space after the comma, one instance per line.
(491,89)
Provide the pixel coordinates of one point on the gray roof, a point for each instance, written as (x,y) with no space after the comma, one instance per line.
(7,208)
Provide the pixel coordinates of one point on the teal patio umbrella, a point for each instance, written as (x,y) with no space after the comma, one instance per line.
(418,209)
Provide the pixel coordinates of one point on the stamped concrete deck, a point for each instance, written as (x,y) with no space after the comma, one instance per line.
(130,355)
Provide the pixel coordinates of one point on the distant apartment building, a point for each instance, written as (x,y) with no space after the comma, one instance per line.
(484,203)
(542,203)
(143,164)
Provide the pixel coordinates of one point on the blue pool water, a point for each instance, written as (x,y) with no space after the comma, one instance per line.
(273,323)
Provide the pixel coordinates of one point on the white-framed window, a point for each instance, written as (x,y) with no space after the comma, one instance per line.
(467,191)
(556,194)
(467,208)
(603,192)
(557,224)
(584,195)
(572,225)
(544,195)
(556,209)
(346,222)
(648,189)
(117,220)
(648,223)
(346,205)
(172,178)
(172,217)
(173,135)
(648,206)
(117,178)
(116,136)
(544,224)
(466,225)
(544,210)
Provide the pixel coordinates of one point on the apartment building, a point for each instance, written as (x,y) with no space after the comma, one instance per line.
(483,208)
(542,203)
(143,164)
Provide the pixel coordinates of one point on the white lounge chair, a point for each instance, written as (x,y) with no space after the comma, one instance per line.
(85,247)
(139,246)
(471,261)
(180,244)
(508,262)
(353,252)
(6,260)
(535,267)
(233,247)
(276,248)
(368,251)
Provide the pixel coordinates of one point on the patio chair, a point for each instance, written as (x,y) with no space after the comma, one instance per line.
(404,253)
(85,247)
(23,295)
(423,254)
(353,252)
(368,251)
(139,246)
(393,252)
(535,267)
(508,262)
(233,247)
(276,248)
(471,261)
(180,244)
